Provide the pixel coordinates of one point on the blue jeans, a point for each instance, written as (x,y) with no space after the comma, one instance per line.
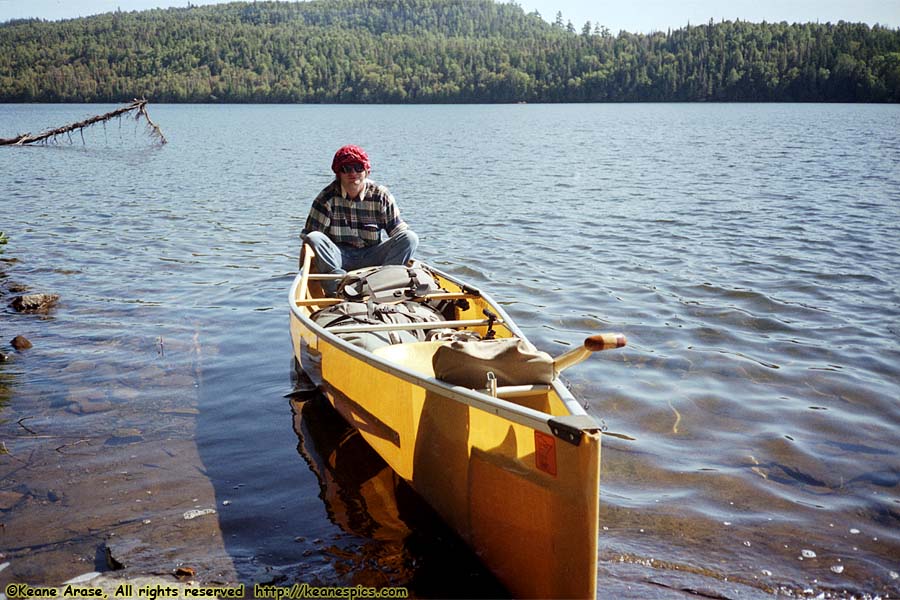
(340,258)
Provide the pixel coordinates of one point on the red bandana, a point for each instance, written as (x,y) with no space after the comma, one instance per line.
(349,155)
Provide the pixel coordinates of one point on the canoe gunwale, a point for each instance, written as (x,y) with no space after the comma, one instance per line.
(579,420)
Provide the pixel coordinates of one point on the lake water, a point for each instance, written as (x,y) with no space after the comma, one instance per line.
(750,253)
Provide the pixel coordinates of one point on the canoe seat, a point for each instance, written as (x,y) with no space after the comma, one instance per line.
(415,356)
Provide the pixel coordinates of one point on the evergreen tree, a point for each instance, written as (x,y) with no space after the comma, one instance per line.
(433,51)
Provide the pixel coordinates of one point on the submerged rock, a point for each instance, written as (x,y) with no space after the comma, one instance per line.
(16,288)
(86,401)
(198,512)
(34,303)
(180,411)
(88,407)
(124,436)
(79,366)
(9,499)
(20,342)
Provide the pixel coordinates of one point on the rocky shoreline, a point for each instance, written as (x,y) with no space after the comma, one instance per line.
(31,303)
(97,485)
(17,298)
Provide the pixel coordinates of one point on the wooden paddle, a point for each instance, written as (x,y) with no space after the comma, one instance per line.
(595,343)
(307,264)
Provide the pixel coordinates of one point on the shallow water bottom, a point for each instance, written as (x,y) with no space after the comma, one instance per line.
(120,504)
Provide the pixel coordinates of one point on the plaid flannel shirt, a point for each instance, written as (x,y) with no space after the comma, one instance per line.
(356,223)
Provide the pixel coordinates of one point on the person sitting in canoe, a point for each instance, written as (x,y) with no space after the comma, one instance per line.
(345,223)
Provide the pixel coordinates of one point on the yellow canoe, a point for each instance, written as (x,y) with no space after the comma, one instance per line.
(515,474)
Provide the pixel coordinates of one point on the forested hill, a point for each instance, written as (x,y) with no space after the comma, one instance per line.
(433,51)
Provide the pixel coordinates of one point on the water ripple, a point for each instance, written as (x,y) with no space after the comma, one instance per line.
(749,253)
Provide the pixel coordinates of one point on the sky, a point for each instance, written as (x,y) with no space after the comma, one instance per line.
(636,16)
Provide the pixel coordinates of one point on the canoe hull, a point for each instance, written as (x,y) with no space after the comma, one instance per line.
(525,500)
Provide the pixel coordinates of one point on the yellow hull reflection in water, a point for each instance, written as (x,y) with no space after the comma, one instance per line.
(410,546)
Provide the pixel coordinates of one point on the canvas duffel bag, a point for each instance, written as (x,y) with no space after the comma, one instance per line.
(513,361)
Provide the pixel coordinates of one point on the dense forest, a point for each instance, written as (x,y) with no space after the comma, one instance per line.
(433,51)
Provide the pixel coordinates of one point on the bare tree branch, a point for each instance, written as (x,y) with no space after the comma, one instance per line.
(138,106)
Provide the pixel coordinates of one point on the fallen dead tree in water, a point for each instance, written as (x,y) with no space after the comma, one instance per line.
(139,107)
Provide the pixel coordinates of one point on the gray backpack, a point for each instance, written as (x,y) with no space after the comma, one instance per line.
(389,283)
(362,313)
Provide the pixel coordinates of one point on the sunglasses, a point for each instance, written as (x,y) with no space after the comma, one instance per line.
(358,168)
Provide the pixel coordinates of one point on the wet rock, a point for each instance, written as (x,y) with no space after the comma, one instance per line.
(34,303)
(3,357)
(17,288)
(9,499)
(111,561)
(119,553)
(185,572)
(20,342)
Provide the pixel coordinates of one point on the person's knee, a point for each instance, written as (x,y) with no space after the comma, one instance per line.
(408,239)
(317,238)
(398,249)
(329,258)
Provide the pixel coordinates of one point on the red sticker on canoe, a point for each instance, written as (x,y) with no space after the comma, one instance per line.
(545,452)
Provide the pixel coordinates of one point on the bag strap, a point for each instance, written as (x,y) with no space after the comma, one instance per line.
(419,282)
(418,288)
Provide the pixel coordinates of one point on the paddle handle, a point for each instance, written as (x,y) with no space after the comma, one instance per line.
(595,343)
(304,279)
(605,341)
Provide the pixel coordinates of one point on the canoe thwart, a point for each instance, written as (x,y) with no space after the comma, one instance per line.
(332,301)
(570,428)
(410,326)
(319,302)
